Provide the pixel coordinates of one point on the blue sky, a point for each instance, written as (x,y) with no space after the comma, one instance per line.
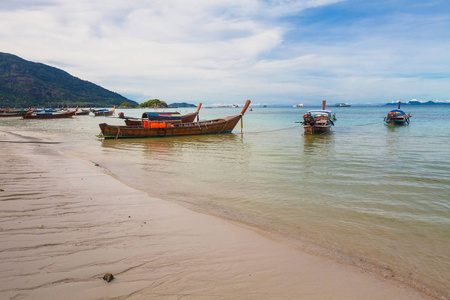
(227,51)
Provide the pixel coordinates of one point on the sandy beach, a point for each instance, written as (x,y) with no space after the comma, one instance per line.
(67,221)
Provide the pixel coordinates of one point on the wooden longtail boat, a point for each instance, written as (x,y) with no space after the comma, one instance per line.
(187,118)
(162,129)
(397,117)
(104,112)
(49,115)
(318,121)
(83,112)
(11,113)
(191,116)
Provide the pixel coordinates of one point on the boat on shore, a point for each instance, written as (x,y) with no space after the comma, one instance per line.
(397,117)
(83,112)
(103,112)
(5,113)
(163,128)
(318,121)
(163,116)
(49,114)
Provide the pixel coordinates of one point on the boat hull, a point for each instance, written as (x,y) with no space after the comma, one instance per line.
(396,123)
(187,118)
(225,125)
(100,114)
(130,122)
(316,129)
(83,113)
(402,121)
(48,116)
(7,115)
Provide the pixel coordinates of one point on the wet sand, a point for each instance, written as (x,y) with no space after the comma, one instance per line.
(66,221)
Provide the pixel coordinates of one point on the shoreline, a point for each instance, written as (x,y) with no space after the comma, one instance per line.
(155,248)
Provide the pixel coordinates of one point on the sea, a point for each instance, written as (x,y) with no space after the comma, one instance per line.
(367,195)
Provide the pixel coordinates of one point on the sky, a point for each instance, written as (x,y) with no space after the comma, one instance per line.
(226,51)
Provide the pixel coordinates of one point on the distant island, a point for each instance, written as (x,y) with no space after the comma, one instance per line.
(416,102)
(154,103)
(182,104)
(29,84)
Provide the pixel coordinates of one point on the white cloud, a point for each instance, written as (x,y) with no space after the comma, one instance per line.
(215,50)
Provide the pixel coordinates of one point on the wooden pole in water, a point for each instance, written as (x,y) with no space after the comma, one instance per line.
(324,104)
(247,104)
(198,109)
(199,106)
(399,104)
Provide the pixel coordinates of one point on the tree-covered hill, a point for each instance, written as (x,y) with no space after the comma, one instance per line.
(182,104)
(29,84)
(154,103)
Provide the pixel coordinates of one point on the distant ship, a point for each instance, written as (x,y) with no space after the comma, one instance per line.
(342,105)
(299,105)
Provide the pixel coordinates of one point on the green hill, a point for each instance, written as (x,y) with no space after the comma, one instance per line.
(29,84)
(182,104)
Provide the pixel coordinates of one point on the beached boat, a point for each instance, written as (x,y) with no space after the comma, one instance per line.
(163,128)
(318,121)
(49,114)
(47,110)
(83,112)
(163,116)
(103,112)
(11,113)
(397,117)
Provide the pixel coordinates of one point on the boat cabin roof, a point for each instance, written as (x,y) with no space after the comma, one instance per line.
(398,112)
(160,114)
(46,110)
(319,112)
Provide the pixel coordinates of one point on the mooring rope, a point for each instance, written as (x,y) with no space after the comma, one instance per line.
(118,132)
(224,126)
(368,124)
(275,130)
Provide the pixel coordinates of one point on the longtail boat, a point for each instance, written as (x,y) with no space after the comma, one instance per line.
(318,121)
(397,117)
(164,116)
(49,114)
(83,112)
(104,112)
(163,128)
(11,113)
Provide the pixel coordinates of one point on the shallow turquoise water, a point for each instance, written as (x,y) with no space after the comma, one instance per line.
(367,194)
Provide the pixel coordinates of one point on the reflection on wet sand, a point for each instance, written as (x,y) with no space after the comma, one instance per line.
(167,142)
(178,157)
(179,148)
